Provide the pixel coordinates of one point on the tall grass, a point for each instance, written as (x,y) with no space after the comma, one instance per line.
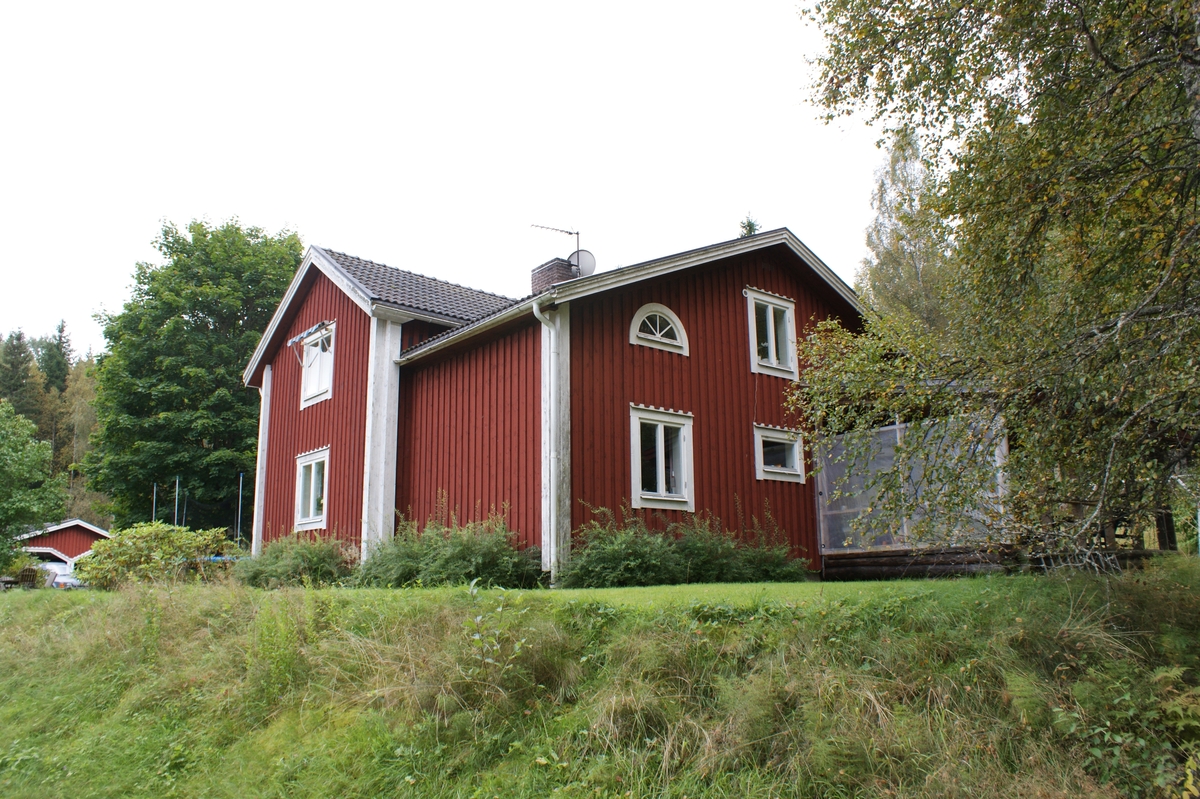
(983,687)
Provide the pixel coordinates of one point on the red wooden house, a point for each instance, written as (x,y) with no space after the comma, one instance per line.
(656,386)
(63,543)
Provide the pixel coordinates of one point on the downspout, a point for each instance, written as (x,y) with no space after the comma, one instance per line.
(552,533)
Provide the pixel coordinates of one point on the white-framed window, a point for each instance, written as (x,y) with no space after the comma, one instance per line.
(772,321)
(657,326)
(316,379)
(312,489)
(778,454)
(660,454)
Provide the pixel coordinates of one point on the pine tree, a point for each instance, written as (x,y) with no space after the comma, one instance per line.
(17,383)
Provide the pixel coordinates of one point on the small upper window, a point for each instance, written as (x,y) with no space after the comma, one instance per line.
(772,334)
(778,454)
(660,444)
(657,326)
(312,481)
(317,367)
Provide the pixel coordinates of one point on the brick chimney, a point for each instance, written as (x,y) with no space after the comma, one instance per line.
(553,271)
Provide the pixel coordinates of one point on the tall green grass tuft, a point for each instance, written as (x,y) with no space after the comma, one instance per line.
(984,687)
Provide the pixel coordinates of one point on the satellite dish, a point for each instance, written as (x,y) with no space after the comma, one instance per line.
(584,261)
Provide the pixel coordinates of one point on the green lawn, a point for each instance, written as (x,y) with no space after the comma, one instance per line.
(992,686)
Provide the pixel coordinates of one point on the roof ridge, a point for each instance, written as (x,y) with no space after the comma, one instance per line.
(417,274)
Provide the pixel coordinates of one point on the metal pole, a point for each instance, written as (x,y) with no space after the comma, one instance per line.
(185,495)
(154,504)
(239,513)
(176,522)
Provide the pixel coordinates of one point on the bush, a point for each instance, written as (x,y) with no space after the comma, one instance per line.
(152,552)
(19,562)
(696,551)
(482,551)
(298,560)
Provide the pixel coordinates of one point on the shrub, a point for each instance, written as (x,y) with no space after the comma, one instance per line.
(298,560)
(697,550)
(482,551)
(152,552)
(19,562)
(611,556)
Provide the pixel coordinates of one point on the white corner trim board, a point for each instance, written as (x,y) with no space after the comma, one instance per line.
(383,413)
(260,471)
(556,436)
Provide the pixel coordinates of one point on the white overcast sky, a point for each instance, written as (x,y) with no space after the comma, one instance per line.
(428,136)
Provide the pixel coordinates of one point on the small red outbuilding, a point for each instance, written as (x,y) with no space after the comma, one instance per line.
(66,542)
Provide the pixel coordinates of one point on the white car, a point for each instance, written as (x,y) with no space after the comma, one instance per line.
(67,581)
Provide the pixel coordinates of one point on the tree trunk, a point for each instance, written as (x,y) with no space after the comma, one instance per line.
(1164,520)
(1191,72)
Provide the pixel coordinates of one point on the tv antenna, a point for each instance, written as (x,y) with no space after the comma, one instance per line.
(583,261)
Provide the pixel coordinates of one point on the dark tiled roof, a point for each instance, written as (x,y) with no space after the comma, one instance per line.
(473,324)
(417,292)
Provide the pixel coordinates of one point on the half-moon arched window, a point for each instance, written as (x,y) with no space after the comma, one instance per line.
(657,326)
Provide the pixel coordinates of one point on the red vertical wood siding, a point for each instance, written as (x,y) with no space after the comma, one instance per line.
(71,541)
(470,434)
(714,383)
(339,422)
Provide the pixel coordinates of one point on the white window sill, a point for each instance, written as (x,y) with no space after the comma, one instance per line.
(311,524)
(784,475)
(315,398)
(663,502)
(775,371)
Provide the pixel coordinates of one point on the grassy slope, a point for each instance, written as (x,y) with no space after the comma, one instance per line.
(868,689)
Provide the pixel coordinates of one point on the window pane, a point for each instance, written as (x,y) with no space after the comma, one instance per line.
(306,491)
(649,458)
(782,350)
(673,455)
(318,488)
(779,454)
(646,328)
(760,331)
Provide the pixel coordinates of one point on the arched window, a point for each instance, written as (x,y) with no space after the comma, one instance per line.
(657,326)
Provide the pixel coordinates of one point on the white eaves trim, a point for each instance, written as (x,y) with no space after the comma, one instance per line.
(62,526)
(316,258)
(582,287)
(466,331)
(585,286)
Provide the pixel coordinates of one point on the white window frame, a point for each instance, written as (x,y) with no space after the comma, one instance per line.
(323,392)
(772,301)
(315,521)
(783,435)
(641,339)
(685,501)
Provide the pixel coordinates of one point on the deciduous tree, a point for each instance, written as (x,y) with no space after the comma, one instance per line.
(28,494)
(1065,141)
(169,395)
